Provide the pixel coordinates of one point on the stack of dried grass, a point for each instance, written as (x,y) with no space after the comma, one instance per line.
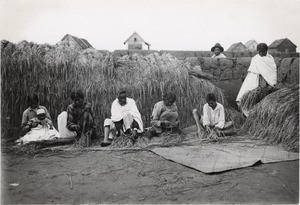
(54,71)
(251,98)
(275,118)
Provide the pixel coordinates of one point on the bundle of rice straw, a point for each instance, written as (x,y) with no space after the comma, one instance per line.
(276,118)
(251,98)
(53,72)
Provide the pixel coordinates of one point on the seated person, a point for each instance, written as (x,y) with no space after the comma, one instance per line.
(40,128)
(31,112)
(262,72)
(218,49)
(213,115)
(165,114)
(40,119)
(125,117)
(80,117)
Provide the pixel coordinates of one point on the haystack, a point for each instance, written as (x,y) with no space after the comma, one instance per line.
(251,98)
(54,71)
(275,118)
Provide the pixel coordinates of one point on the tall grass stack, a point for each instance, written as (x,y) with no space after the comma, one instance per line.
(54,71)
(275,119)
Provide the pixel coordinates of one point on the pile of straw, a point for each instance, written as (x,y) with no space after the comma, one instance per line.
(276,118)
(251,98)
(54,71)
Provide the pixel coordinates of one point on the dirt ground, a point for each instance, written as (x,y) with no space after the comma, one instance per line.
(138,177)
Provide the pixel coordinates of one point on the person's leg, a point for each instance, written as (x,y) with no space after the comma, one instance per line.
(135,127)
(228,125)
(198,119)
(108,123)
(119,126)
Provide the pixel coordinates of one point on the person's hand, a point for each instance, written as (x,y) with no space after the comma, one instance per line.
(167,123)
(207,128)
(34,124)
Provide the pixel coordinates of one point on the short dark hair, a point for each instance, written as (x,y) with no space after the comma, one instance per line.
(32,99)
(169,96)
(77,94)
(262,47)
(210,97)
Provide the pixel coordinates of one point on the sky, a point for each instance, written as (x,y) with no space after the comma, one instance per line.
(165,24)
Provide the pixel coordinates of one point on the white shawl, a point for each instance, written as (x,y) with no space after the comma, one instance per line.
(264,66)
(118,112)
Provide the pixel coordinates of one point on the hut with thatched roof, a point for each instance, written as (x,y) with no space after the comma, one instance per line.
(75,42)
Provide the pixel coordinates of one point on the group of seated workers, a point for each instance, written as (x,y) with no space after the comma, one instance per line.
(125,116)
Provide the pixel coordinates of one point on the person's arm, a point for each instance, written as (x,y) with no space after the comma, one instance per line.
(205,116)
(71,125)
(221,122)
(156,115)
(47,114)
(24,119)
(49,122)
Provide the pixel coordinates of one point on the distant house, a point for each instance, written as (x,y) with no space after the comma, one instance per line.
(75,42)
(282,46)
(251,45)
(135,42)
(237,47)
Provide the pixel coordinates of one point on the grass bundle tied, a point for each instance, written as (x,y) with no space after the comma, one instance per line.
(53,72)
(276,118)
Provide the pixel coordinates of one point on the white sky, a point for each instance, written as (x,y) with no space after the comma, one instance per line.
(165,24)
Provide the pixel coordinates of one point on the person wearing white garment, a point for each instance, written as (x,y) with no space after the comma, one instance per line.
(262,72)
(213,115)
(125,118)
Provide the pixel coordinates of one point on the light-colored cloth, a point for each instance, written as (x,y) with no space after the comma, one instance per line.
(214,117)
(30,113)
(264,66)
(40,133)
(161,112)
(221,55)
(127,112)
(62,126)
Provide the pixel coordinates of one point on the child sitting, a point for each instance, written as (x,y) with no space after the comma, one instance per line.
(40,119)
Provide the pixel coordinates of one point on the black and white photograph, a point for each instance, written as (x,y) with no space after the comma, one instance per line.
(149,102)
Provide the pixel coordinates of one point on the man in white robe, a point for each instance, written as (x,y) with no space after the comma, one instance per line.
(125,117)
(262,66)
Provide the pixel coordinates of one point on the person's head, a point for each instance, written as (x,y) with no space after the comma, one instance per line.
(77,97)
(262,49)
(217,49)
(122,97)
(169,98)
(41,114)
(33,101)
(211,100)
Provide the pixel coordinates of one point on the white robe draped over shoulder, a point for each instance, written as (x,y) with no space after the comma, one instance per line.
(264,66)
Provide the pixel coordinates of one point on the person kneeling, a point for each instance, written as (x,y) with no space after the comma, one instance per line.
(213,116)
(125,118)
